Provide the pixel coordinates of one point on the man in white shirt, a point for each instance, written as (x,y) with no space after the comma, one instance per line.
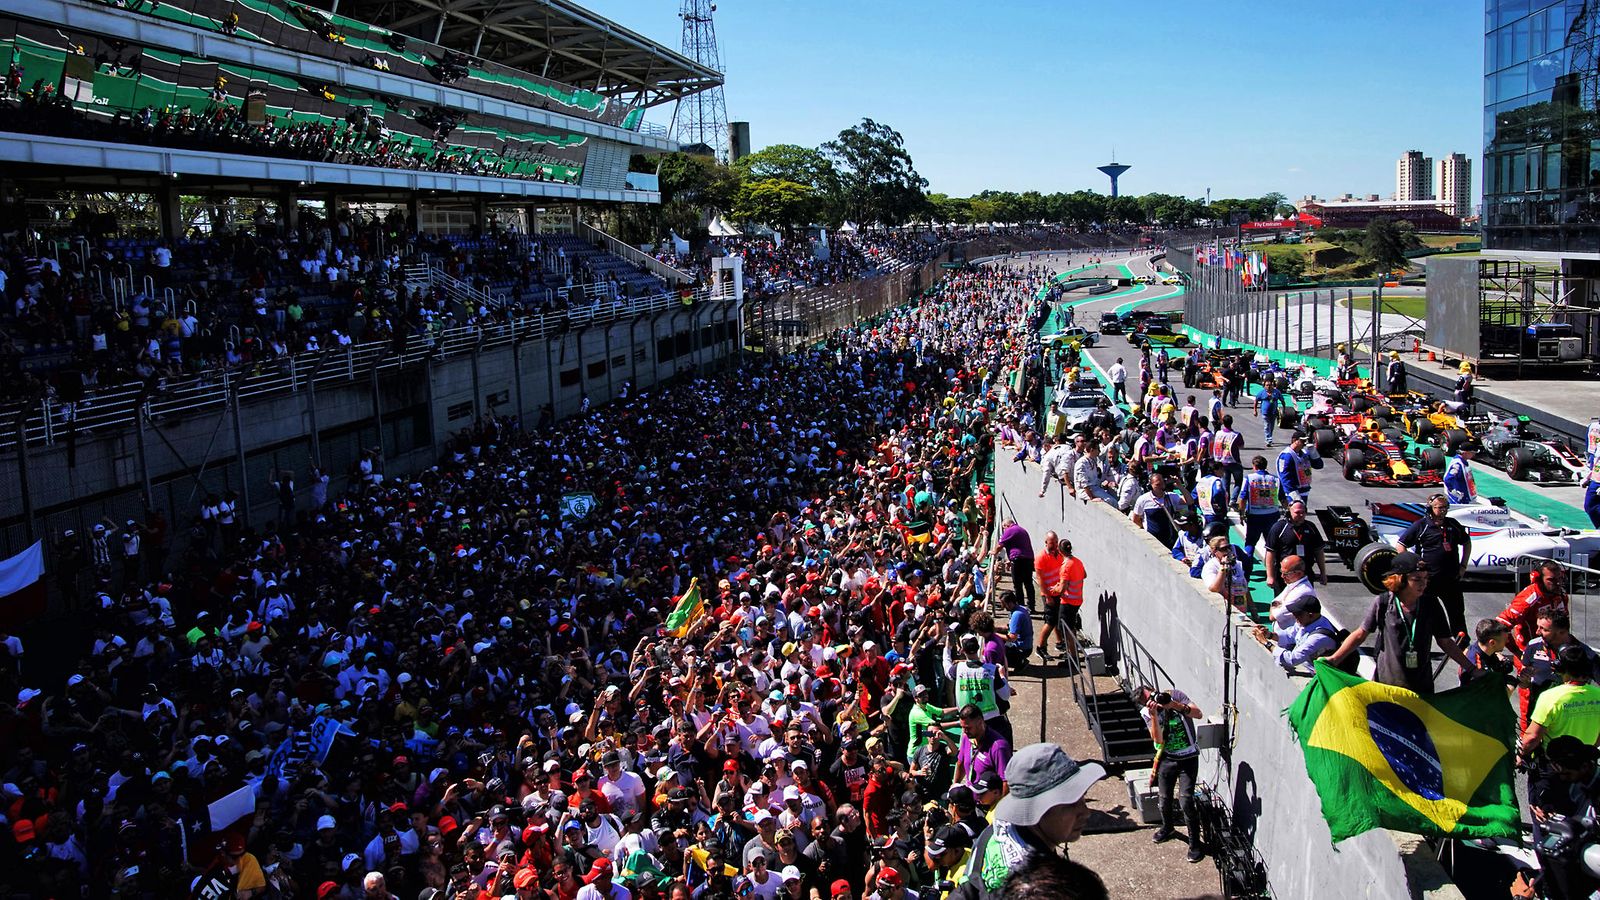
(1118,373)
(629,786)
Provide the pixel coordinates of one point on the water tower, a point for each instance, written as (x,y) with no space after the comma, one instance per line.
(1114,169)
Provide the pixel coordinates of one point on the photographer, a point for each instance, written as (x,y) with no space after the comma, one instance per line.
(1559,803)
(1170,717)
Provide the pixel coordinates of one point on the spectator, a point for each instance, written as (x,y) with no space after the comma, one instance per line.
(1311,636)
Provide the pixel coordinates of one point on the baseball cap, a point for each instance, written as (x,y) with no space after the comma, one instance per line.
(888,876)
(349,860)
(526,878)
(327,889)
(841,888)
(1042,777)
(326,822)
(790,873)
(600,869)
(1404,563)
(948,837)
(988,781)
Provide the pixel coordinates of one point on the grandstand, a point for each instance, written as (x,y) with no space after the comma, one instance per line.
(391,240)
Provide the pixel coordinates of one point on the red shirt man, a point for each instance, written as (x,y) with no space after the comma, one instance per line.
(1544,591)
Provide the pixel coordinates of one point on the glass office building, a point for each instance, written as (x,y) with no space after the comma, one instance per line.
(1541,93)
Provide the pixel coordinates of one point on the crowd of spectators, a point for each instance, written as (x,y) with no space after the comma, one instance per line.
(248,296)
(222,127)
(775,265)
(489,678)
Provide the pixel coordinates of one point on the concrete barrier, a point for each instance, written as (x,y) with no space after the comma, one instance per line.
(1265,782)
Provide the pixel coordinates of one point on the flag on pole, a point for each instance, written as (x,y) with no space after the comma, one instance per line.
(22,588)
(689,609)
(1384,757)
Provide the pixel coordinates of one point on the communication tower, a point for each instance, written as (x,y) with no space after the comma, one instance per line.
(702,118)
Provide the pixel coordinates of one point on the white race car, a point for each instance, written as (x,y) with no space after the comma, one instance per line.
(1500,536)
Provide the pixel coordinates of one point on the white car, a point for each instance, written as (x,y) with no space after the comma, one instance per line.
(1500,537)
(1074,408)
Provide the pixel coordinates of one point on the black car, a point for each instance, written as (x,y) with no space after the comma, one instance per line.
(1528,454)
(1110,323)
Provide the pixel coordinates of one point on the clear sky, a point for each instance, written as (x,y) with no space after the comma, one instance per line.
(1241,96)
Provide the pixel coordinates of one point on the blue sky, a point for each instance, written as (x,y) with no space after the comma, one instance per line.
(1242,97)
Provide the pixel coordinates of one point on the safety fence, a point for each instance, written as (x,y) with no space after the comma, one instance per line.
(785,321)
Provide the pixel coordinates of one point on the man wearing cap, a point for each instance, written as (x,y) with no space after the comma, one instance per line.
(597,884)
(891,886)
(1570,708)
(1459,484)
(1294,468)
(945,850)
(1045,809)
(1309,637)
(1406,628)
(624,789)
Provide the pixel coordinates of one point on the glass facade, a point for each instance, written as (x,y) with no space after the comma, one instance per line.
(1541,155)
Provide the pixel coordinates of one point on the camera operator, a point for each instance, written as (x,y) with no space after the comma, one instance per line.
(1560,804)
(1170,717)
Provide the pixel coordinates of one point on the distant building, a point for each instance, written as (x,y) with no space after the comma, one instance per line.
(1347,212)
(1453,180)
(1541,89)
(1413,177)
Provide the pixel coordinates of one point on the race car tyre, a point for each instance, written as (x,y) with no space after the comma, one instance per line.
(1384,423)
(1454,438)
(1282,383)
(1383,412)
(1426,430)
(1395,436)
(1360,404)
(1327,441)
(1518,462)
(1181,341)
(1315,422)
(1289,418)
(1372,562)
(1432,459)
(1354,462)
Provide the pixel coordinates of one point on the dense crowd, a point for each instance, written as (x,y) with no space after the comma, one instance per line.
(223,127)
(255,294)
(492,678)
(775,265)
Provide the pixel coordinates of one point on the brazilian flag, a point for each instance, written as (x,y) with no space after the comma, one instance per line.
(1385,757)
(690,608)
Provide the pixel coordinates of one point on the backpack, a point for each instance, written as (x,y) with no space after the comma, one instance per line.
(1351,660)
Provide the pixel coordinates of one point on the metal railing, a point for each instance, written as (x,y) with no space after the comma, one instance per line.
(1582,584)
(645,261)
(45,421)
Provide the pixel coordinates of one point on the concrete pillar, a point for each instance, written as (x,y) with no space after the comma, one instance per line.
(169,213)
(414,212)
(289,203)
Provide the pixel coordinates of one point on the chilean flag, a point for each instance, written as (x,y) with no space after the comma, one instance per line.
(22,588)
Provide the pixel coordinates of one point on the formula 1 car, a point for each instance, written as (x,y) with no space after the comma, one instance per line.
(1371,456)
(1528,454)
(1443,424)
(1207,374)
(1500,536)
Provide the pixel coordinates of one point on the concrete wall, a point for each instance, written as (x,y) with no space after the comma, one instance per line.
(1182,627)
(191,454)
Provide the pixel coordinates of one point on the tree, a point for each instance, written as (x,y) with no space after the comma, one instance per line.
(1288,265)
(798,165)
(776,202)
(1386,241)
(880,184)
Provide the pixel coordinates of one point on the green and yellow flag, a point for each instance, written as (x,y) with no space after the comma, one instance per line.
(1384,757)
(690,608)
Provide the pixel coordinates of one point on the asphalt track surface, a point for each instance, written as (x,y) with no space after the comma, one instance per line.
(1344,599)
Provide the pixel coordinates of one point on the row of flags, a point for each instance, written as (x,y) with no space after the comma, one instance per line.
(1251,265)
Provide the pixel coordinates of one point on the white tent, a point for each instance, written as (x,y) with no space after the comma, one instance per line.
(720,228)
(847,228)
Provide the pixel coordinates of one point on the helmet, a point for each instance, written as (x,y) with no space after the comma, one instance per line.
(1466,367)
(1394,354)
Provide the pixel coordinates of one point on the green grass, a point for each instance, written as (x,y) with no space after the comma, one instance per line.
(1448,240)
(1405,306)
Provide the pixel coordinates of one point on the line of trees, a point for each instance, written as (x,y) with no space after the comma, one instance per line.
(865,175)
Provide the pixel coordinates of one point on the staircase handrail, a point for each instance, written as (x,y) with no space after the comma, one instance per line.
(645,261)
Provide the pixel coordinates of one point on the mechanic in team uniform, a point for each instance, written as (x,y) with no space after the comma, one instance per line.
(1294,468)
(1396,374)
(1225,447)
(1258,502)
(1211,492)
(1445,547)
(1459,485)
(1546,590)
(1464,388)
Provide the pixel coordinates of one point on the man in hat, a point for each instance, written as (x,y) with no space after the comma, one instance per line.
(1459,485)
(1046,808)
(597,885)
(1294,468)
(1405,627)
(1307,639)
(1444,547)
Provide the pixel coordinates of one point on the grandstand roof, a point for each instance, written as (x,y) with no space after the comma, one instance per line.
(557,39)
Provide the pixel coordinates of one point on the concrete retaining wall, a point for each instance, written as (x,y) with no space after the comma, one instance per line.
(1183,626)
